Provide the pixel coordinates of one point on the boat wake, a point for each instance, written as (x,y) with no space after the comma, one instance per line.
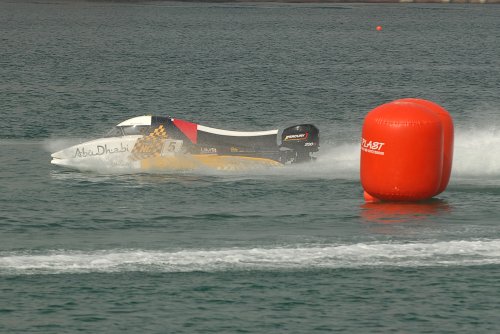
(302,257)
(476,152)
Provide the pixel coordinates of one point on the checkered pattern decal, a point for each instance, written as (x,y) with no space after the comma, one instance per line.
(150,145)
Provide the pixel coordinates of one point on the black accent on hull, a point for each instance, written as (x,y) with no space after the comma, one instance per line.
(298,142)
(238,143)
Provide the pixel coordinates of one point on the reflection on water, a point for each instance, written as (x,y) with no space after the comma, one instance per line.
(398,212)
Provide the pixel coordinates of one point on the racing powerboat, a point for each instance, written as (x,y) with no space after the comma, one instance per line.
(163,143)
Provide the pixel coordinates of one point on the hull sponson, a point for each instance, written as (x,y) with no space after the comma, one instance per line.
(204,161)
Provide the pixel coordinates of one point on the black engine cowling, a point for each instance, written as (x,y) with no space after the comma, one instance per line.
(299,141)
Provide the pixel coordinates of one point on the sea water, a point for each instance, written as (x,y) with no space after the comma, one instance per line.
(293,249)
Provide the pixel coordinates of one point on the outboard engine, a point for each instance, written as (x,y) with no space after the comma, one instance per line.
(298,142)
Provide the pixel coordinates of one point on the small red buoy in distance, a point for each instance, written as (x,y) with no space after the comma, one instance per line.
(379,28)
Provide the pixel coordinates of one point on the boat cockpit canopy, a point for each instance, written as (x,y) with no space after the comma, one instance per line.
(130,130)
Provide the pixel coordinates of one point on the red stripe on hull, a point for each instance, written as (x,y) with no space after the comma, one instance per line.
(188,128)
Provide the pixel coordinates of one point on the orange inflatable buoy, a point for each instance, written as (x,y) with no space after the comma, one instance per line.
(402,152)
(448,137)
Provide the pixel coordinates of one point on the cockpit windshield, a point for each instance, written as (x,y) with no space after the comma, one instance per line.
(135,130)
(114,132)
(132,130)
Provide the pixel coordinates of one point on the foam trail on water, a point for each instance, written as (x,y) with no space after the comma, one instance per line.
(339,160)
(334,161)
(477,152)
(417,254)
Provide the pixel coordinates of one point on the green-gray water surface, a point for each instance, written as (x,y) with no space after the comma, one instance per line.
(290,250)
